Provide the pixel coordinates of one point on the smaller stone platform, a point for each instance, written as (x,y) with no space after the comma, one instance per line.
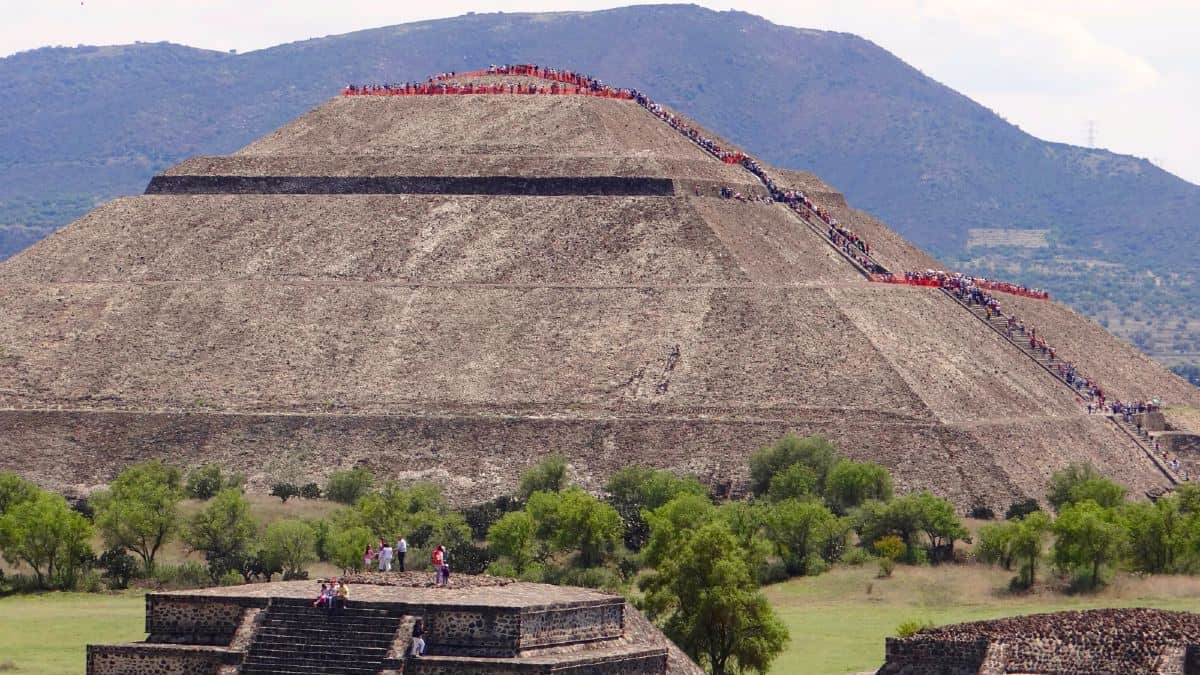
(1093,642)
(478,625)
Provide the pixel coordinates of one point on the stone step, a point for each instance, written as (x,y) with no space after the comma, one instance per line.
(308,610)
(316,656)
(281,647)
(334,623)
(303,659)
(316,638)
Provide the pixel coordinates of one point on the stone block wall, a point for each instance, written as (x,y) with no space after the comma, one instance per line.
(921,655)
(475,631)
(155,660)
(199,621)
(576,622)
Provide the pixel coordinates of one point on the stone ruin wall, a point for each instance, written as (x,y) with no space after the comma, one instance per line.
(919,655)
(154,660)
(573,622)
(1100,642)
(196,621)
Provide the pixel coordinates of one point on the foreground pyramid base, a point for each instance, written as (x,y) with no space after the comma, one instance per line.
(1098,642)
(481,625)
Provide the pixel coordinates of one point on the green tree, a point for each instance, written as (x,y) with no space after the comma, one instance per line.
(650,488)
(1188,495)
(635,489)
(512,536)
(1026,544)
(796,529)
(347,487)
(940,523)
(796,482)
(14,490)
(548,475)
(707,602)
(206,481)
(850,484)
(45,534)
(1086,538)
(289,545)
(907,517)
(673,521)
(284,491)
(1080,482)
(224,528)
(1157,534)
(814,452)
(418,512)
(575,520)
(140,510)
(994,545)
(347,544)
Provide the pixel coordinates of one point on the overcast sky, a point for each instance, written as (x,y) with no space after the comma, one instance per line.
(1050,66)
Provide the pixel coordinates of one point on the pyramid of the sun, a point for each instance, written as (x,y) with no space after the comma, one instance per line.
(552,274)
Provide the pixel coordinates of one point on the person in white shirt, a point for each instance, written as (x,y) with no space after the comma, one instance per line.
(400,551)
(385,556)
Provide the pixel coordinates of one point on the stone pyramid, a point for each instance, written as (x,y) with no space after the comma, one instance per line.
(450,287)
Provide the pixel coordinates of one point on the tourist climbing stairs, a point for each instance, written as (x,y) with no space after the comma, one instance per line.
(999,323)
(296,638)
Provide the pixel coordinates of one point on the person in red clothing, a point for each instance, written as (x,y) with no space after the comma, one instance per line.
(441,573)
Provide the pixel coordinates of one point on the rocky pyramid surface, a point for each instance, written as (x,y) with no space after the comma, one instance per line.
(451,287)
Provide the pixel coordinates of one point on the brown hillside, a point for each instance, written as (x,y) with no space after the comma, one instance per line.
(460,337)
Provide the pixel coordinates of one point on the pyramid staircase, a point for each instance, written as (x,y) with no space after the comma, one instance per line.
(294,638)
(297,638)
(999,323)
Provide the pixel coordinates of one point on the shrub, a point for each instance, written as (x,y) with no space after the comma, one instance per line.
(321,530)
(481,517)
(349,486)
(230,578)
(912,627)
(119,567)
(889,548)
(205,482)
(851,483)
(857,556)
(1021,508)
(288,546)
(310,491)
(982,512)
(187,574)
(1081,482)
(89,582)
(284,491)
(814,452)
(548,475)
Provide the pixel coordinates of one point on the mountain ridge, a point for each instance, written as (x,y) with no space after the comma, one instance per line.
(89,123)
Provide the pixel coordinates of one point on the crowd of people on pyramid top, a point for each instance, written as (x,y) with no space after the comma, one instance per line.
(561,82)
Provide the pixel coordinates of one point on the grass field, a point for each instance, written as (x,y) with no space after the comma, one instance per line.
(839,620)
(46,634)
